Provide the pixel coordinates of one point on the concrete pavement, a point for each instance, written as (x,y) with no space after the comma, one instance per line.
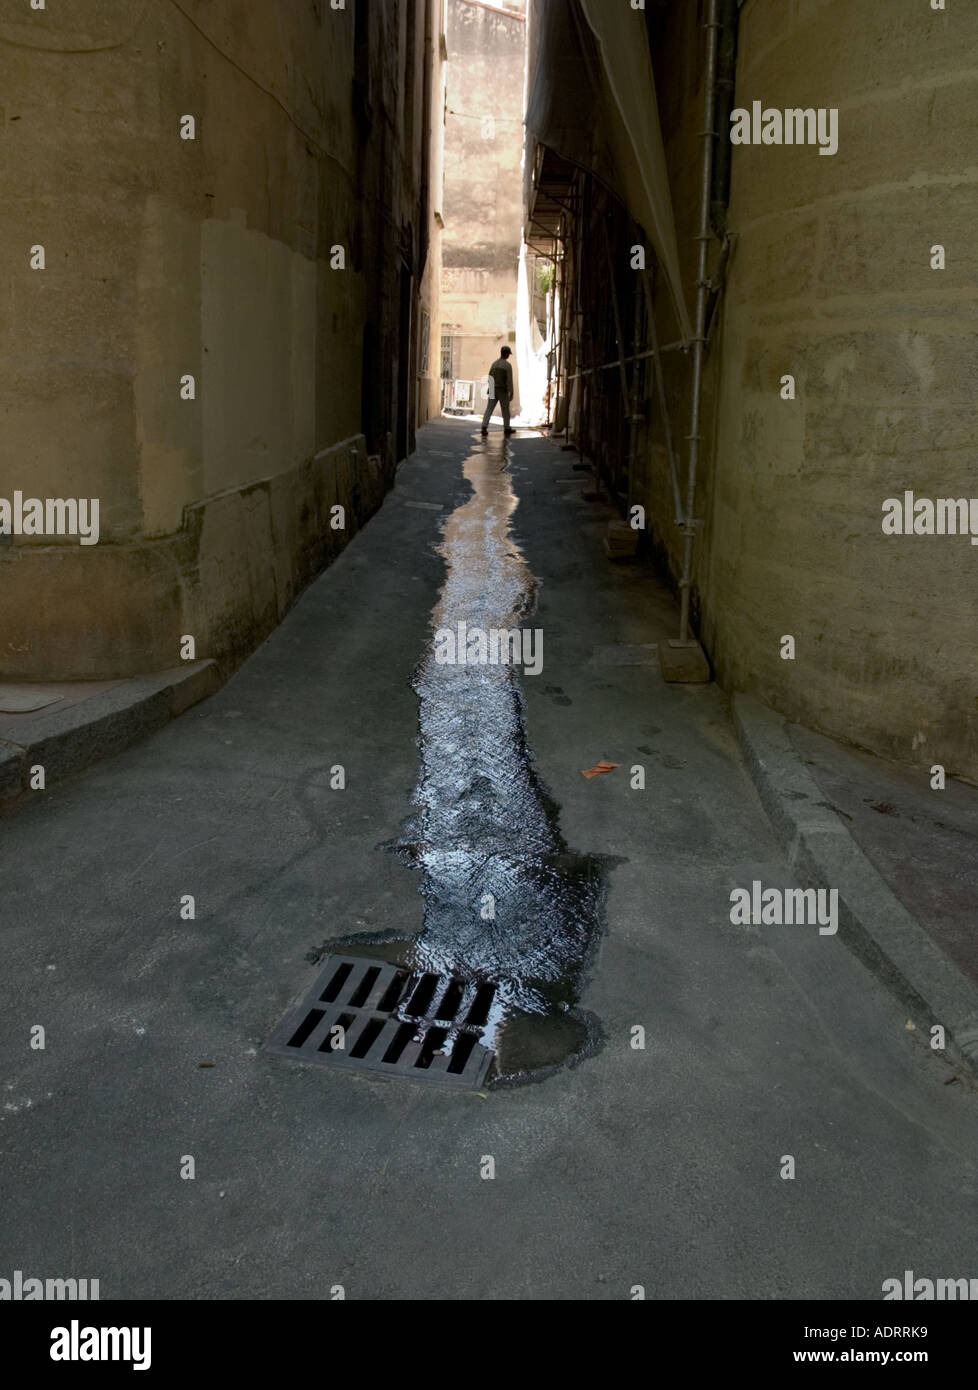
(658,1167)
(66,726)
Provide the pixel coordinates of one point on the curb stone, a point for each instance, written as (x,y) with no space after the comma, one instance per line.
(12,768)
(67,740)
(872,921)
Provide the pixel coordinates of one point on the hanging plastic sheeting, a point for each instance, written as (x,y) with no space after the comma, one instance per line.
(531,351)
(592,100)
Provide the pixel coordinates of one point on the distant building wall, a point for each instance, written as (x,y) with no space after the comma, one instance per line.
(211,257)
(483,193)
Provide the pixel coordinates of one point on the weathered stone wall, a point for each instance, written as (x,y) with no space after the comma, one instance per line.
(483,192)
(831,282)
(210,257)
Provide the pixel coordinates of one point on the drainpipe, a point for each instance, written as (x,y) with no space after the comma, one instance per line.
(726,72)
(708,135)
(636,414)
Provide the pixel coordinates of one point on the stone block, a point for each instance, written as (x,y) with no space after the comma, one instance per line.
(686,663)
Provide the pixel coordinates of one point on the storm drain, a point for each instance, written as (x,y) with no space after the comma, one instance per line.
(366,1015)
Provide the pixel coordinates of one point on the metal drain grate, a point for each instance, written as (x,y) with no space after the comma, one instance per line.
(394,1021)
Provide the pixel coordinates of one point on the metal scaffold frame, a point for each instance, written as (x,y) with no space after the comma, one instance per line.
(591,313)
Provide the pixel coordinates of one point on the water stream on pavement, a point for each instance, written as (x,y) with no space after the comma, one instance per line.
(483,824)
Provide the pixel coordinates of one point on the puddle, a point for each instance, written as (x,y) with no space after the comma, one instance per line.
(504,898)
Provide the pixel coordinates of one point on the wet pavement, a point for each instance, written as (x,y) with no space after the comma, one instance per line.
(504,899)
(923,841)
(654,1160)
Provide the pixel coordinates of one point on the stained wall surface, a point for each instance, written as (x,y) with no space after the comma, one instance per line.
(830,281)
(249,258)
(483,192)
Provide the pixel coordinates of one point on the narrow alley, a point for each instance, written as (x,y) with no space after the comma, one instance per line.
(654,1166)
(488,718)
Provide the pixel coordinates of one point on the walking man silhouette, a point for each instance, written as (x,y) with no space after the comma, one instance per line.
(501,373)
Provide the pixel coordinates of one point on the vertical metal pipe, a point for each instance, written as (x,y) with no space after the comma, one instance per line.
(708,135)
(560,279)
(574,320)
(636,412)
(729,16)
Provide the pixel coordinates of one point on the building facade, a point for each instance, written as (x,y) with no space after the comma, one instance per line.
(221,271)
(840,367)
(482,191)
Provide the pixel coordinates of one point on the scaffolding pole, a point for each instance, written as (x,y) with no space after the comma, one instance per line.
(708,136)
(635,357)
(560,286)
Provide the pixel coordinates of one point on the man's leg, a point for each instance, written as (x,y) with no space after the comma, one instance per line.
(504,405)
(490,407)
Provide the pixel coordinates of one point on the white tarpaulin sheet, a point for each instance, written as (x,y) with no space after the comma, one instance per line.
(627,71)
(531,351)
(592,98)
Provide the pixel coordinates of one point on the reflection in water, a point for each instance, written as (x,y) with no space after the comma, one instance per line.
(483,824)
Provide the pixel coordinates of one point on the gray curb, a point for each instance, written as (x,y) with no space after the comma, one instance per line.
(873,923)
(67,740)
(11,770)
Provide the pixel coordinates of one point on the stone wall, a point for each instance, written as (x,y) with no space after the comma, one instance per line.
(483,192)
(831,282)
(213,257)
